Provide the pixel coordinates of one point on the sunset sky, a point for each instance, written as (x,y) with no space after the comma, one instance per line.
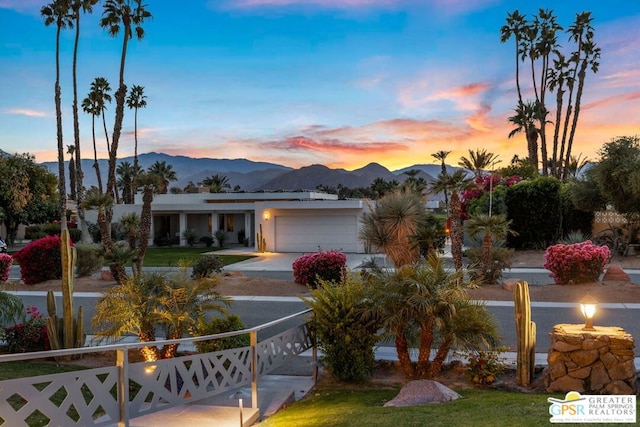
(298,82)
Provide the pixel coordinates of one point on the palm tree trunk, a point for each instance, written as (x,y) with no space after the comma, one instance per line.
(438,360)
(402,348)
(96,165)
(574,124)
(426,340)
(456,231)
(135,155)
(487,246)
(145,224)
(62,187)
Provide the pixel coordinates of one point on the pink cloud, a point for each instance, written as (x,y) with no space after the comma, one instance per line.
(332,145)
(624,97)
(26,112)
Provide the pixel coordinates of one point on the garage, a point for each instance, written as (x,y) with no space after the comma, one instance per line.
(308,233)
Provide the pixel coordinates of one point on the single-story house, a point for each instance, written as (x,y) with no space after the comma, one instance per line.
(294,221)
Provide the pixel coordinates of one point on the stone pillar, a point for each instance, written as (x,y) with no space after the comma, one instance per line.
(598,362)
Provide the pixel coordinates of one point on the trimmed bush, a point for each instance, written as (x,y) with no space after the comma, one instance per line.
(89,258)
(500,260)
(329,266)
(30,335)
(218,325)
(206,266)
(207,240)
(33,230)
(75,234)
(577,263)
(190,236)
(5,266)
(40,260)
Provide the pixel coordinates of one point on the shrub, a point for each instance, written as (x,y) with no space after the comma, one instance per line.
(329,266)
(576,263)
(5,266)
(221,237)
(28,336)
(218,325)
(33,230)
(166,241)
(346,334)
(190,236)
(89,259)
(207,240)
(500,260)
(40,260)
(207,265)
(485,366)
(51,229)
(75,234)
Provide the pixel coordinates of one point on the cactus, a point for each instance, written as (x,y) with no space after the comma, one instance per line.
(262,243)
(526,334)
(65,332)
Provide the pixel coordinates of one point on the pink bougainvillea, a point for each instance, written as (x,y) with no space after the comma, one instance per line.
(576,263)
(40,260)
(5,266)
(329,265)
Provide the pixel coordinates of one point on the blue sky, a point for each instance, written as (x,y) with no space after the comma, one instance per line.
(297,82)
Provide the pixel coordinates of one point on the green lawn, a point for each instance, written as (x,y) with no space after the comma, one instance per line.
(168,257)
(336,407)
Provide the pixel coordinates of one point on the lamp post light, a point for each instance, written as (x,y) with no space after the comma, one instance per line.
(239,395)
(588,307)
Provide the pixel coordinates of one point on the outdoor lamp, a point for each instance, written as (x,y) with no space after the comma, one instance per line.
(239,395)
(588,308)
(266,215)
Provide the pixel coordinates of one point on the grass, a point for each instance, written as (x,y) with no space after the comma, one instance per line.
(169,257)
(339,407)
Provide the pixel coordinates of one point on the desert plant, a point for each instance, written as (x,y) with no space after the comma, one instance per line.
(11,308)
(526,334)
(89,259)
(221,237)
(218,325)
(5,266)
(576,263)
(207,265)
(328,266)
(40,260)
(190,236)
(30,335)
(489,227)
(346,335)
(501,258)
(575,237)
(485,365)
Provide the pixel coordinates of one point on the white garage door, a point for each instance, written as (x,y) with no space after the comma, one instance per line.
(307,233)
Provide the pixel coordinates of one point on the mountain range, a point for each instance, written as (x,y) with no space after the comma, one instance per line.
(258,176)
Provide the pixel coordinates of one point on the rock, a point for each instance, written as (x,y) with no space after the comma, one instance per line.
(421,392)
(509,284)
(585,357)
(599,377)
(618,387)
(615,273)
(566,383)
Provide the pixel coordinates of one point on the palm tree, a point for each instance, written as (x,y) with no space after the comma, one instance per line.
(136,100)
(71,149)
(95,104)
(524,119)
(575,165)
(516,26)
(392,225)
(414,183)
(148,182)
(478,161)
(129,224)
(454,184)
(130,15)
(165,173)
(442,155)
(216,183)
(491,228)
(57,12)
(125,182)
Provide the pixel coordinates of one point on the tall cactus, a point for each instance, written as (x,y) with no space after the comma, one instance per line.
(262,243)
(65,332)
(526,334)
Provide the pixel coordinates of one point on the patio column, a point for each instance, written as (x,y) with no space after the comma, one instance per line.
(248,226)
(182,225)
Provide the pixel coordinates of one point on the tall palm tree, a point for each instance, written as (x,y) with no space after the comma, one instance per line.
(392,225)
(524,119)
(515,26)
(149,182)
(216,183)
(58,12)
(71,149)
(442,155)
(478,161)
(491,228)
(165,173)
(95,104)
(136,100)
(128,15)
(454,184)
(126,180)
(414,183)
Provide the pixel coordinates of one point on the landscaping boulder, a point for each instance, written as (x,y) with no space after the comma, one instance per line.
(616,273)
(421,392)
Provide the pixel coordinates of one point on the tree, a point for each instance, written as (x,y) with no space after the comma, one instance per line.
(165,173)
(95,104)
(135,101)
(71,149)
(216,183)
(442,155)
(414,183)
(525,122)
(58,13)
(454,184)
(128,15)
(392,224)
(478,161)
(126,178)
(148,182)
(552,70)
(490,228)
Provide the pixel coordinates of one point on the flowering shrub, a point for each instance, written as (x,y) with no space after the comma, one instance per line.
(329,266)
(40,260)
(5,266)
(485,366)
(28,336)
(576,263)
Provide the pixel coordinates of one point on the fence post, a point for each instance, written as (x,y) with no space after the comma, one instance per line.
(122,362)
(254,369)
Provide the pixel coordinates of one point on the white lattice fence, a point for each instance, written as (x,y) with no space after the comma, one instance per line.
(274,351)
